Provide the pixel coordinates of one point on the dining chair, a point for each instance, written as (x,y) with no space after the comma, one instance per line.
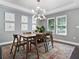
(45,38)
(49,37)
(17,42)
(34,42)
(37,43)
(31,40)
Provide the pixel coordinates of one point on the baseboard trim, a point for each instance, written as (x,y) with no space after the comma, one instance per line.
(66,42)
(56,40)
(5,43)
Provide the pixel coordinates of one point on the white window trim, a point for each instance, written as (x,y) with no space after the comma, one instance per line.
(66,25)
(54,24)
(9,21)
(33,23)
(22,22)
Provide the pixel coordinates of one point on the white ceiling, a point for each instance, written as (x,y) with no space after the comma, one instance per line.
(51,6)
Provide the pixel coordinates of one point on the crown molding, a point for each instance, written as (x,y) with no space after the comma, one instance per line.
(64,8)
(15,7)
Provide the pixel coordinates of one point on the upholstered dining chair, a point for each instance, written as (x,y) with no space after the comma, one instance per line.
(45,38)
(37,43)
(49,37)
(17,42)
(31,40)
(34,42)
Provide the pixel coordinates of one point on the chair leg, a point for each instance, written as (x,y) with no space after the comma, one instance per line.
(37,53)
(30,46)
(51,37)
(52,44)
(12,48)
(18,49)
(37,50)
(46,49)
(45,45)
(26,52)
(23,47)
(14,52)
(27,49)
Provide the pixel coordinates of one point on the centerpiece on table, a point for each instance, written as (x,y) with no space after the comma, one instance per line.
(40,29)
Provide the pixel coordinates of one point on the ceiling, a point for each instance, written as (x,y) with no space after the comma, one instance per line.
(51,6)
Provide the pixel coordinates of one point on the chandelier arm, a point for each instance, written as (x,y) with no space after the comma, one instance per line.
(39,13)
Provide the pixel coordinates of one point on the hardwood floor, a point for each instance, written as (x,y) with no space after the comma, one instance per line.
(60,51)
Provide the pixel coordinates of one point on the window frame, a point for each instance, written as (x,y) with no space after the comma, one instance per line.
(61,25)
(54,24)
(9,21)
(24,22)
(33,23)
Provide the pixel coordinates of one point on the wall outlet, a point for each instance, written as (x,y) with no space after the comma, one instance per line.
(77,27)
(74,37)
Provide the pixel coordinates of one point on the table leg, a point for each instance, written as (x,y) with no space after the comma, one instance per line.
(14,52)
(45,45)
(36,49)
(51,40)
(30,46)
(26,52)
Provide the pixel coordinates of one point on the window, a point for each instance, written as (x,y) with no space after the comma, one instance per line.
(9,21)
(51,24)
(61,25)
(34,24)
(24,23)
(58,25)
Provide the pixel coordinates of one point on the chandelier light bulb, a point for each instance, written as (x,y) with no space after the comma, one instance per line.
(38,7)
(33,11)
(39,13)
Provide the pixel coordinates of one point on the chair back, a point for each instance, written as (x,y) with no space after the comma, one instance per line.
(27,33)
(17,38)
(49,34)
(40,35)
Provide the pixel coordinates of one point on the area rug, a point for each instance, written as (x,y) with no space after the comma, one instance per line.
(59,51)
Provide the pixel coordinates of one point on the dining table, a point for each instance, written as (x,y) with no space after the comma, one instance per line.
(33,36)
(29,39)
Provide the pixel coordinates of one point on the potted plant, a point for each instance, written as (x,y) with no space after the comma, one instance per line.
(40,29)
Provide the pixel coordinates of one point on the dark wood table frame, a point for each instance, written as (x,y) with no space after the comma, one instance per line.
(27,37)
(34,36)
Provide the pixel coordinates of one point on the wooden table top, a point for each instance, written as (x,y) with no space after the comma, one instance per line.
(30,35)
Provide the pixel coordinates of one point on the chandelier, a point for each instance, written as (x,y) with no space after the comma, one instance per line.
(39,12)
